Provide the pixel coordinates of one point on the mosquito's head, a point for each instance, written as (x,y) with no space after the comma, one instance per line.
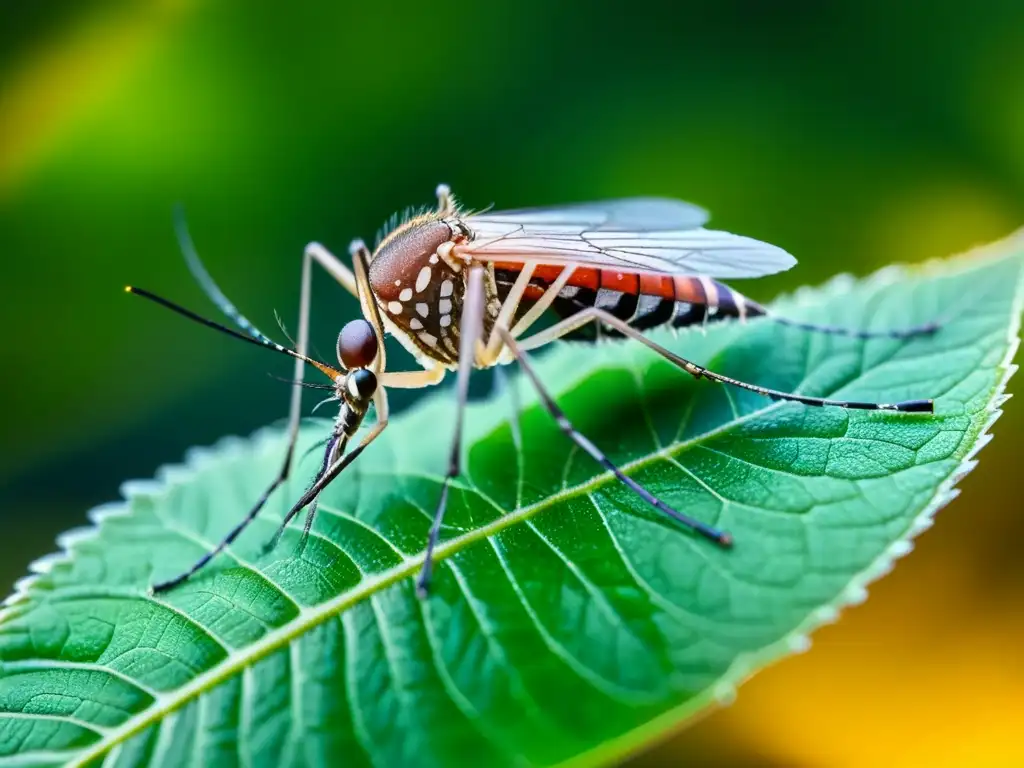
(357,349)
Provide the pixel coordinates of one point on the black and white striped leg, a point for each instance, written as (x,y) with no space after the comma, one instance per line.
(470,330)
(335,447)
(313,252)
(720,537)
(228,539)
(295,405)
(324,478)
(593,314)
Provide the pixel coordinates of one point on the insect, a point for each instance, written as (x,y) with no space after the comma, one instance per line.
(462,290)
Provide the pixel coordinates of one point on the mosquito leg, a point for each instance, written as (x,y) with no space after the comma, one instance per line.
(709,532)
(371,312)
(544,302)
(335,447)
(508,310)
(412,379)
(470,329)
(593,314)
(313,252)
(233,534)
(294,409)
(332,264)
(331,468)
(324,478)
(495,349)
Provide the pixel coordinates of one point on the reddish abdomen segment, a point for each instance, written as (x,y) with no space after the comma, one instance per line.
(642,300)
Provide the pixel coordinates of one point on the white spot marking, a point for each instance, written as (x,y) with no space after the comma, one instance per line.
(394,308)
(422,279)
(397,283)
(433,258)
(423,309)
(444,306)
(445,321)
(405,295)
(428,339)
(415,324)
(446,288)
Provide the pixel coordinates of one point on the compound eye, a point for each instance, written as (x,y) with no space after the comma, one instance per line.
(362,384)
(357,344)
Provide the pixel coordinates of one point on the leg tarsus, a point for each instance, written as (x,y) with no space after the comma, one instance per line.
(423,580)
(313,252)
(233,534)
(722,538)
(594,314)
(470,330)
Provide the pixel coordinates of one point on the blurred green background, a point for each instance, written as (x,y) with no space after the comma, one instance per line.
(853,133)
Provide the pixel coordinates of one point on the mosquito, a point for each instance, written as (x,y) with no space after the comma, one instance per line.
(462,290)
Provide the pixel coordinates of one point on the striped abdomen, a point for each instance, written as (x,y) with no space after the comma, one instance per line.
(642,300)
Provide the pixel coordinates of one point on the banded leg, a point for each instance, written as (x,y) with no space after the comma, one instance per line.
(324,478)
(335,460)
(336,447)
(707,531)
(313,252)
(470,330)
(593,314)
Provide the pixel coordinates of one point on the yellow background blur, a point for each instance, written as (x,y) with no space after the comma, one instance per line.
(854,134)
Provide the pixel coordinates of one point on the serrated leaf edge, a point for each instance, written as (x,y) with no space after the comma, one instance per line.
(722,692)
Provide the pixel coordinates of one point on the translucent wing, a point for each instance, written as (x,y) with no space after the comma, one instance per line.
(653,235)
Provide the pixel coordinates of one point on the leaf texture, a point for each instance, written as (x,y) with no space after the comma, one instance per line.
(568,622)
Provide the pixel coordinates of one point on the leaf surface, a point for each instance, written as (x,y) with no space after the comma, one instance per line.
(568,622)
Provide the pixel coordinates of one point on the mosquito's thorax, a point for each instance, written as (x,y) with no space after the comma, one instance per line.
(419,285)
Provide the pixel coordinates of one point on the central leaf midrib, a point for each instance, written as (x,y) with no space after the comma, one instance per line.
(309,618)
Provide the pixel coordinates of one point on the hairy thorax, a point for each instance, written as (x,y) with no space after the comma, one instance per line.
(420,287)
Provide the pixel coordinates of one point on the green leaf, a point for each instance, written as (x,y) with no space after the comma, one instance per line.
(568,621)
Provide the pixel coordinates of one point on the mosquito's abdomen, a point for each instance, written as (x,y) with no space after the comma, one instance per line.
(642,300)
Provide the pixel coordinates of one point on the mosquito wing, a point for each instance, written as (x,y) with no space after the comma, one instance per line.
(653,235)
